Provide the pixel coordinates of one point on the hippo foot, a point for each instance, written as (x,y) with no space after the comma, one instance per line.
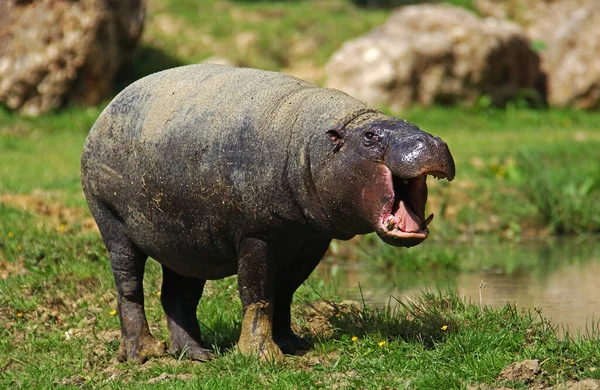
(256,337)
(290,343)
(265,349)
(193,353)
(140,349)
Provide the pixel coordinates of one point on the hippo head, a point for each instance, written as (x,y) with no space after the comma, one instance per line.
(380,168)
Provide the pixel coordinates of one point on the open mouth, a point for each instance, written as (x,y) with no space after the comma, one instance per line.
(403,222)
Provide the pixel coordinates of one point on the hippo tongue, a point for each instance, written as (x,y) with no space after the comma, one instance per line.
(410,206)
(409,221)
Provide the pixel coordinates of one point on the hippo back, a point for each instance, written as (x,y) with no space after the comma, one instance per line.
(209,151)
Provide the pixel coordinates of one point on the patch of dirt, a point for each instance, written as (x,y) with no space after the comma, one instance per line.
(312,359)
(113,373)
(63,219)
(318,315)
(526,371)
(16,131)
(587,384)
(56,308)
(76,380)
(164,377)
(103,336)
(7,269)
(343,379)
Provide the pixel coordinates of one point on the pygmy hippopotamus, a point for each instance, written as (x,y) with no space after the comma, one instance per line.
(215,170)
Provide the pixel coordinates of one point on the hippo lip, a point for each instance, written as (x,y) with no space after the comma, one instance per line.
(402,221)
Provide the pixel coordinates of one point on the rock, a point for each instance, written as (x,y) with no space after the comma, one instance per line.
(571,57)
(525,371)
(58,51)
(520,11)
(567,31)
(319,317)
(586,384)
(429,54)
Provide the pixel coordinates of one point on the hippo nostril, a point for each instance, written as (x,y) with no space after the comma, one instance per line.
(418,142)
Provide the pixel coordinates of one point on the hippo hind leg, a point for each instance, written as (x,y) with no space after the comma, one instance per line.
(179,297)
(288,280)
(127,263)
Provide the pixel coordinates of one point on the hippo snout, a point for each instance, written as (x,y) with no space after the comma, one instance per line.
(420,154)
(409,160)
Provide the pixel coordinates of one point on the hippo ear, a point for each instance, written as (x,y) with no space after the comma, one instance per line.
(336,137)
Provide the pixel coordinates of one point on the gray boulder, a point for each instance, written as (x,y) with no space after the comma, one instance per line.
(429,54)
(568,33)
(57,51)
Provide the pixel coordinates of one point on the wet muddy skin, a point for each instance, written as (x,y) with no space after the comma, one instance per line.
(215,171)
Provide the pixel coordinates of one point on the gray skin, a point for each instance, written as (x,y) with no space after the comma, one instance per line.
(215,170)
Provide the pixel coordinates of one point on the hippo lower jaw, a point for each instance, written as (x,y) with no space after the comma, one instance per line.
(402,221)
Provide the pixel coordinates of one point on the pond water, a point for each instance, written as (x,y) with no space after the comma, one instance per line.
(561,277)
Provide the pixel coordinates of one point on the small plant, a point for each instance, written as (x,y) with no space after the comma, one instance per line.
(564,194)
(432,259)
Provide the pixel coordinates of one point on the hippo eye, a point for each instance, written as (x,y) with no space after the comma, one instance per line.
(369,137)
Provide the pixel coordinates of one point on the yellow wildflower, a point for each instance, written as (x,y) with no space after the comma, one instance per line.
(445,327)
(19,247)
(159,293)
(381,343)
(62,228)
(11,234)
(112,313)
(354,338)
(19,315)
(338,315)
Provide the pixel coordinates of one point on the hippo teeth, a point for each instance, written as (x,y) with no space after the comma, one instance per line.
(427,221)
(438,175)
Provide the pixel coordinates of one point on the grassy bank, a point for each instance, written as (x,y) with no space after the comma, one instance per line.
(59,329)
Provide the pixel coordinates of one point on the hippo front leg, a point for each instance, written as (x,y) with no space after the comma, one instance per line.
(256,271)
(289,278)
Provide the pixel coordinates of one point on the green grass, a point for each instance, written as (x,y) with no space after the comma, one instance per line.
(261,34)
(58,330)
(564,195)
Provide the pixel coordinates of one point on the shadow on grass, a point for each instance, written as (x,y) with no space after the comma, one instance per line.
(425,321)
(146,61)
(221,335)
